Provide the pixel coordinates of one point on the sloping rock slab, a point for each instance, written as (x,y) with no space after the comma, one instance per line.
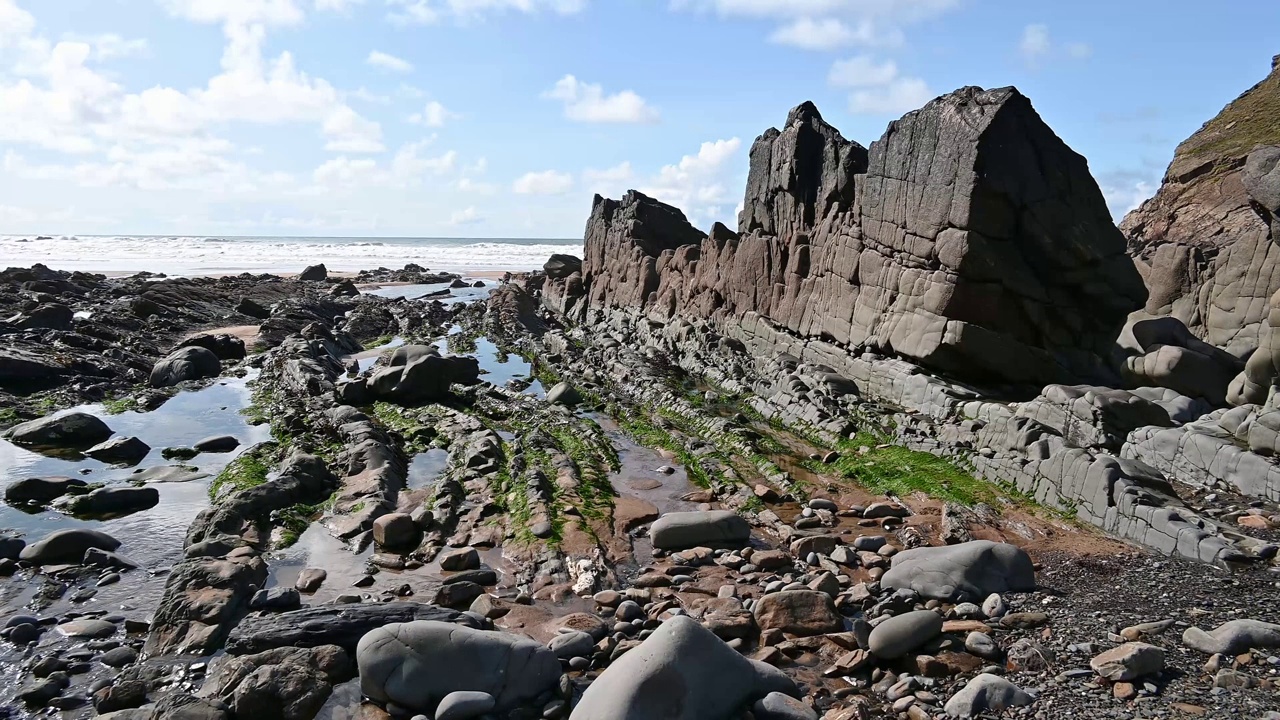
(968,571)
(341,625)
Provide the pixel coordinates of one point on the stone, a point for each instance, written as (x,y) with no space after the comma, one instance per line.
(119,657)
(67,547)
(464,559)
(564,394)
(1233,637)
(458,594)
(276,600)
(67,429)
(339,625)
(683,530)
(416,664)
(104,559)
(901,634)
(285,683)
(464,704)
(984,693)
(226,347)
(572,644)
(1129,661)
(217,444)
(314,273)
(780,706)
(111,501)
(310,579)
(561,266)
(799,612)
(119,451)
(981,644)
(395,530)
(41,491)
(994,606)
(967,571)
(418,373)
(87,628)
(184,364)
(680,672)
(11,547)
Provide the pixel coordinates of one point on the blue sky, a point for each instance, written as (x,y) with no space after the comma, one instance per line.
(501,118)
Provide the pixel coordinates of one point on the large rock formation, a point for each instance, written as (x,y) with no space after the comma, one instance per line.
(969,238)
(1200,243)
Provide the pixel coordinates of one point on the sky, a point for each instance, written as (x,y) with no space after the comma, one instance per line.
(503,118)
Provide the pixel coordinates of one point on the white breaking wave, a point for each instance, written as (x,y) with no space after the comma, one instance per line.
(210,255)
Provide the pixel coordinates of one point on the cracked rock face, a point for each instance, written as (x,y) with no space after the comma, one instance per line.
(1200,243)
(969,237)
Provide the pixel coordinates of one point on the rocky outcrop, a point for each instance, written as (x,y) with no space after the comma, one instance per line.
(969,238)
(1200,244)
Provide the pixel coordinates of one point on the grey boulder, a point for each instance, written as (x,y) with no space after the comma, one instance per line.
(1233,637)
(185,363)
(464,704)
(217,444)
(560,266)
(968,571)
(119,500)
(67,547)
(572,644)
(40,491)
(901,634)
(418,373)
(681,672)
(1128,661)
(416,664)
(683,530)
(986,692)
(119,451)
(72,429)
(564,394)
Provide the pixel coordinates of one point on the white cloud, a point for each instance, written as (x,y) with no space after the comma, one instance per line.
(410,167)
(347,131)
(337,5)
(548,182)
(466,216)
(879,87)
(898,97)
(621,172)
(467,185)
(379,59)
(1035,42)
(237,12)
(698,184)
(1037,45)
(433,115)
(427,12)
(830,33)
(862,71)
(364,94)
(109,46)
(15,23)
(585,102)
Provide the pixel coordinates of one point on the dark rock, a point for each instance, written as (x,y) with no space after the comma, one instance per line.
(799,612)
(41,491)
(111,501)
(48,316)
(564,394)
(67,547)
(250,307)
(968,571)
(119,657)
(119,450)
(183,364)
(70,429)
(329,625)
(314,273)
(286,683)
(11,547)
(120,695)
(226,347)
(217,444)
(715,528)
(417,373)
(562,266)
(458,595)
(276,600)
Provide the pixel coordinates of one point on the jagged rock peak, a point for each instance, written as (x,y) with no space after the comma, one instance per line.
(799,175)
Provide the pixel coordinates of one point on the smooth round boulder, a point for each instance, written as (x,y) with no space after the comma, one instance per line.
(119,500)
(119,451)
(186,363)
(41,491)
(712,528)
(564,394)
(571,645)
(464,704)
(416,664)
(986,692)
(1233,637)
(217,444)
(69,429)
(778,706)
(11,547)
(967,571)
(901,634)
(560,266)
(67,546)
(681,672)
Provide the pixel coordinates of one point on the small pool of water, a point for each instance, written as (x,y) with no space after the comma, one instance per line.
(456,295)
(425,468)
(152,538)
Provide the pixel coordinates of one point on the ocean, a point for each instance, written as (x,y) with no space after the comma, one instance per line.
(196,255)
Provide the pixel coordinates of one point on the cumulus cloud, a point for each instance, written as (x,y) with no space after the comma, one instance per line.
(1036,45)
(379,59)
(428,12)
(547,182)
(823,34)
(466,216)
(879,88)
(698,184)
(585,102)
(434,115)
